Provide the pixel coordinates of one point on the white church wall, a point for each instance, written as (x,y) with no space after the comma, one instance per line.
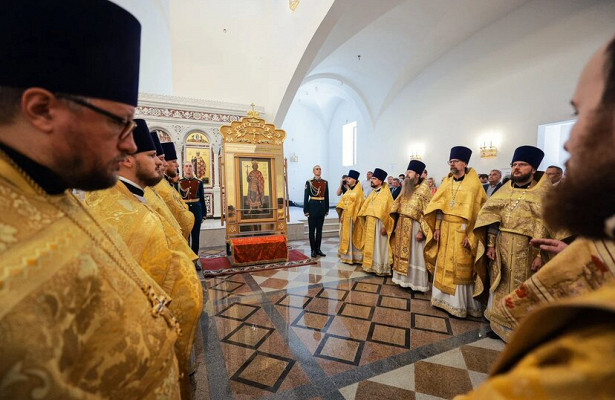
(305,139)
(497,86)
(240,51)
(156,70)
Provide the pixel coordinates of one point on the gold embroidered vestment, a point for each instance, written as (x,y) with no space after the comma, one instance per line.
(177,206)
(404,212)
(517,213)
(459,203)
(376,207)
(348,209)
(141,229)
(75,320)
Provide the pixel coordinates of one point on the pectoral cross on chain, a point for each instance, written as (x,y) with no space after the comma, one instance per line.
(159,308)
(452,203)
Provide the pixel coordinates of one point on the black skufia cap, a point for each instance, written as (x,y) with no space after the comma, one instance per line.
(159,151)
(82,47)
(461,153)
(354,174)
(416,166)
(380,174)
(169,151)
(529,154)
(142,137)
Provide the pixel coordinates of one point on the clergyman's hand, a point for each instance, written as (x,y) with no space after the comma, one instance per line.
(383,231)
(466,243)
(537,264)
(436,235)
(419,236)
(491,253)
(551,245)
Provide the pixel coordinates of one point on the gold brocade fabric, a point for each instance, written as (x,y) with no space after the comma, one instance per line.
(403,213)
(75,322)
(562,351)
(170,225)
(348,210)
(460,205)
(177,206)
(517,213)
(141,229)
(375,207)
(582,267)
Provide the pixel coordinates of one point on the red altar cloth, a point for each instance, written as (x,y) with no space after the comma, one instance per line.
(259,250)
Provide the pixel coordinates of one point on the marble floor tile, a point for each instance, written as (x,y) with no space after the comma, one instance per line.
(331,330)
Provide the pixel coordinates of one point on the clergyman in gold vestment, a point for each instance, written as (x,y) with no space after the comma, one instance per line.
(377,257)
(513,216)
(566,350)
(125,209)
(407,240)
(168,190)
(351,226)
(171,226)
(79,319)
(451,243)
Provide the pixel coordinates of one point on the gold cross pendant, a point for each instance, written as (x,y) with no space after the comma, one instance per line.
(159,308)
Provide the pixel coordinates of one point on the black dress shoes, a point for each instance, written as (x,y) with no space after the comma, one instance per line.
(320,253)
(314,255)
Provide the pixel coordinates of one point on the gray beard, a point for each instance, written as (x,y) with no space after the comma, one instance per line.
(408,188)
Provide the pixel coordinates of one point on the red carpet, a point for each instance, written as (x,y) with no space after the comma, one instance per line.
(220,265)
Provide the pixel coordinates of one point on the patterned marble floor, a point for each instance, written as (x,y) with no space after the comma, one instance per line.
(331,331)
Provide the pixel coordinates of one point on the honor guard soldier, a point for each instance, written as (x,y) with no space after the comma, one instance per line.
(191,190)
(316,208)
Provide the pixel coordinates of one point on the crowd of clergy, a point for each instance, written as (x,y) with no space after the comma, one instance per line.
(468,249)
(100,298)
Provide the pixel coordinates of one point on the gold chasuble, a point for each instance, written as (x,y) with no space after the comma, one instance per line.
(79,319)
(582,267)
(142,230)
(562,351)
(404,212)
(170,225)
(517,215)
(459,202)
(348,211)
(376,209)
(177,206)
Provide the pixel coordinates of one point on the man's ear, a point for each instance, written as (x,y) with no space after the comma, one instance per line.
(41,108)
(129,161)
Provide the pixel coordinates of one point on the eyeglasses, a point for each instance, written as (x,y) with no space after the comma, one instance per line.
(453,161)
(127,125)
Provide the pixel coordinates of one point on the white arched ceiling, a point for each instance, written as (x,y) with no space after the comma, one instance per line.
(377,47)
(323,93)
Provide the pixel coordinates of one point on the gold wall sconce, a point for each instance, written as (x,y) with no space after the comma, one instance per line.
(488,151)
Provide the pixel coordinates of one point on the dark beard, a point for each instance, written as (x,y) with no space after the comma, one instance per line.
(522,178)
(408,188)
(171,172)
(147,178)
(583,201)
(97,180)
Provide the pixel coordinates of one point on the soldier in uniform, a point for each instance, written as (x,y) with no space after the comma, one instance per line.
(316,208)
(191,190)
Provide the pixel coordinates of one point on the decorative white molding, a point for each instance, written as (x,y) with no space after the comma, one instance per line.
(189,108)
